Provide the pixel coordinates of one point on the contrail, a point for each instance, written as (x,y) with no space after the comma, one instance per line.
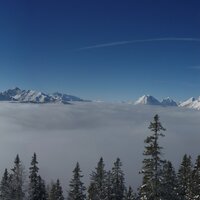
(111,44)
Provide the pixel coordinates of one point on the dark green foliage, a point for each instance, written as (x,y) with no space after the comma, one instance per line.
(185,179)
(37,189)
(92,191)
(56,192)
(33,186)
(17,180)
(108,185)
(169,182)
(117,178)
(42,195)
(97,188)
(196,180)
(151,188)
(76,186)
(5,186)
(130,195)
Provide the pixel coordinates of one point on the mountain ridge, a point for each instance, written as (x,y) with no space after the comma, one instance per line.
(31,96)
(150,100)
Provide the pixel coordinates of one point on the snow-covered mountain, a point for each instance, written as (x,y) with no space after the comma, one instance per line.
(59,97)
(147,100)
(191,103)
(187,103)
(150,100)
(168,102)
(31,96)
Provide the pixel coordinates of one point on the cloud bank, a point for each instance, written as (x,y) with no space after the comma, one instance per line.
(61,135)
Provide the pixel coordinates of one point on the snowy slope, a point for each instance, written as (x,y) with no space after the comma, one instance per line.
(147,100)
(150,100)
(59,97)
(8,95)
(188,102)
(168,102)
(31,96)
(191,103)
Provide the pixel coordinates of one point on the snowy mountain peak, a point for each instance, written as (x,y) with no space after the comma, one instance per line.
(65,97)
(168,102)
(188,102)
(32,96)
(12,92)
(191,103)
(147,100)
(150,100)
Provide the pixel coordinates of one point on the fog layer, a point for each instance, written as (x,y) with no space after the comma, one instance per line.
(61,135)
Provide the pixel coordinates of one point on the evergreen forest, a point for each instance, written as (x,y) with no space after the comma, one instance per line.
(160,180)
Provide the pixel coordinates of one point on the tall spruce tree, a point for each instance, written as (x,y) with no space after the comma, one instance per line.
(196,180)
(41,188)
(185,179)
(97,188)
(169,182)
(5,186)
(76,186)
(151,188)
(33,176)
(17,180)
(91,191)
(108,186)
(37,189)
(118,186)
(56,192)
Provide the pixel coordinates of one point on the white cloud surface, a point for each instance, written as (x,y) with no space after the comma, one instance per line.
(61,135)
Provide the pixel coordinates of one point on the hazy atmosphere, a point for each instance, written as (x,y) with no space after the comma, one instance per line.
(61,135)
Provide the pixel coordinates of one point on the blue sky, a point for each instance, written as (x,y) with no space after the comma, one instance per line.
(44,46)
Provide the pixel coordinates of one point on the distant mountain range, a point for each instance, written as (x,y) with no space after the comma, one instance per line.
(31,96)
(150,100)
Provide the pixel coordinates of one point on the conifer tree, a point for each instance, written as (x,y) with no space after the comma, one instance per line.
(37,190)
(91,191)
(33,186)
(185,179)
(59,191)
(42,194)
(5,186)
(196,180)
(169,182)
(118,187)
(52,191)
(97,188)
(56,192)
(108,185)
(76,186)
(151,188)
(17,180)
(130,195)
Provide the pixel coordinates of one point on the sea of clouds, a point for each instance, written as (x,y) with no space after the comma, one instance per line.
(61,135)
